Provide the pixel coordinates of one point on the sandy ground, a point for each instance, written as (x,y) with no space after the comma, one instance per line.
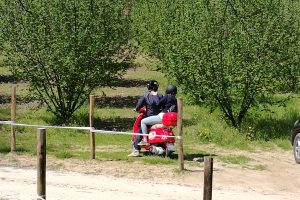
(114,180)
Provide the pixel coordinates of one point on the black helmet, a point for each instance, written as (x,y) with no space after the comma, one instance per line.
(153,85)
(171,89)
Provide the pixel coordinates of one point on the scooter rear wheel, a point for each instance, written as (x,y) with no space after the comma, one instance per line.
(168,153)
(169,149)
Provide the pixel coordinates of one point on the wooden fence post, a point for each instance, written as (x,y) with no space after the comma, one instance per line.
(180,139)
(13,118)
(41,162)
(208,177)
(92,134)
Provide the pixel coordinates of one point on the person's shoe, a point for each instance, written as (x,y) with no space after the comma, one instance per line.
(135,153)
(143,143)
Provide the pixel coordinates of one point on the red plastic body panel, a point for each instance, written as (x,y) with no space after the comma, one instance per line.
(169,119)
(155,135)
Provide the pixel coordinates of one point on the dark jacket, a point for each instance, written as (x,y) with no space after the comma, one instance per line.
(151,102)
(168,103)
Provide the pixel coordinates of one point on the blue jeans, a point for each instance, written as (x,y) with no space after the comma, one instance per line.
(138,138)
(149,121)
(144,123)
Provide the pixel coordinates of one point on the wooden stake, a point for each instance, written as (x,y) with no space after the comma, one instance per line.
(13,118)
(208,177)
(92,135)
(41,162)
(179,130)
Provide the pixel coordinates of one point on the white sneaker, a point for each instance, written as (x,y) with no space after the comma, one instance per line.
(135,153)
(143,143)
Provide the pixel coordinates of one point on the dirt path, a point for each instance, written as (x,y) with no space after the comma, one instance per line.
(74,179)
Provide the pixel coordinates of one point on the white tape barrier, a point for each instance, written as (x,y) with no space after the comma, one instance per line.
(43,126)
(91,129)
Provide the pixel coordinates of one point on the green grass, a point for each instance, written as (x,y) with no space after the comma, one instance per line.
(4,148)
(63,154)
(260,167)
(231,159)
(158,160)
(113,111)
(3,70)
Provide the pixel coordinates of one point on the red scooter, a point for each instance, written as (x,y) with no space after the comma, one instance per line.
(161,138)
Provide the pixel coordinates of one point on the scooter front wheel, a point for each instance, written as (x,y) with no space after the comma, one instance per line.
(157,150)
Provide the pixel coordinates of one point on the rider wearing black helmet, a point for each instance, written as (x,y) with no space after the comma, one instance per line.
(152,85)
(168,104)
(151,101)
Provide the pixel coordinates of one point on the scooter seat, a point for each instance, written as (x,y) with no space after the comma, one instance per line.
(158,126)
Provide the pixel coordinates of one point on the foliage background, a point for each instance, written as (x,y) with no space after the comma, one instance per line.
(228,54)
(180,53)
(65,49)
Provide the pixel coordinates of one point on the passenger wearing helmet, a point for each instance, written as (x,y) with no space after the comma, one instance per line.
(151,101)
(168,104)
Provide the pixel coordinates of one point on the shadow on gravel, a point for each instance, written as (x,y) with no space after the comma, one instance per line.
(199,157)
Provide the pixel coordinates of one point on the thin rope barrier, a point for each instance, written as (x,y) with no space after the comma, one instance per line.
(43,126)
(91,129)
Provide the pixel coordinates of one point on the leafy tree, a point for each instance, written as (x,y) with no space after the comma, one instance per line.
(65,48)
(231,54)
